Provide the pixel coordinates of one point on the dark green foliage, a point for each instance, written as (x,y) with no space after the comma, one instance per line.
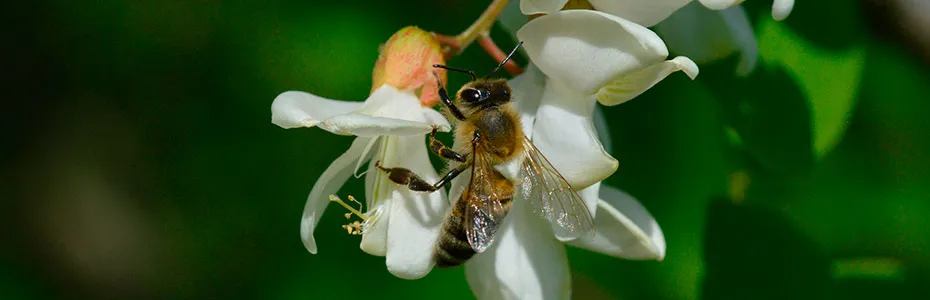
(140,161)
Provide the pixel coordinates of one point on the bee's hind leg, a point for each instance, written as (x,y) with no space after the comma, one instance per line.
(416,183)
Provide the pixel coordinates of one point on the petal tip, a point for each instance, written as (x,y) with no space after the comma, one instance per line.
(528,7)
(719,4)
(409,273)
(306,235)
(657,241)
(781,9)
(614,164)
(625,228)
(687,66)
(293,109)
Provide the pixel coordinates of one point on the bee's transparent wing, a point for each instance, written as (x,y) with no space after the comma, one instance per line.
(483,211)
(552,197)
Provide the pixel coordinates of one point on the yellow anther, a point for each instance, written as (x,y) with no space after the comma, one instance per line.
(354,228)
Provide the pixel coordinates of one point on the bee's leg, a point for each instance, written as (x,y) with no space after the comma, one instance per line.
(444,97)
(451,175)
(441,150)
(416,183)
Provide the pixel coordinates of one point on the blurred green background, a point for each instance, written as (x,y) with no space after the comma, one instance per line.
(140,160)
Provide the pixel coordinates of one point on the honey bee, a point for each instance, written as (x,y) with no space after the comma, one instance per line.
(488,133)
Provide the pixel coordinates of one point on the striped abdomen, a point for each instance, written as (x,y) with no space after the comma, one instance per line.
(453,249)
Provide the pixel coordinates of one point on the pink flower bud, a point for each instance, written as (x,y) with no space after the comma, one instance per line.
(406,62)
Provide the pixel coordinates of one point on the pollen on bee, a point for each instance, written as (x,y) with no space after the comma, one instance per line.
(354,228)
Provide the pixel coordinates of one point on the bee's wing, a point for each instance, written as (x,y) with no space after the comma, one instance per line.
(552,197)
(483,210)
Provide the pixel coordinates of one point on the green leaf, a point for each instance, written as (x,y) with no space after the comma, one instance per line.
(756,253)
(767,113)
(831,24)
(829,79)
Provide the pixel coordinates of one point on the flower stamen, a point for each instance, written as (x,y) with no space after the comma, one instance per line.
(354,228)
(352,210)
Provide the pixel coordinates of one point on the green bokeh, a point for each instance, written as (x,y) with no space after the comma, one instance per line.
(141,161)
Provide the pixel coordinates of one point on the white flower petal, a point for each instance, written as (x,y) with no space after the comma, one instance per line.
(566,137)
(458,185)
(635,83)
(781,9)
(741,34)
(524,262)
(527,93)
(433,117)
(706,35)
(719,4)
(643,12)
(328,183)
(379,198)
(586,49)
(365,125)
(373,180)
(416,217)
(375,236)
(389,102)
(387,111)
(294,109)
(366,153)
(532,7)
(625,229)
(591,198)
(512,168)
(603,131)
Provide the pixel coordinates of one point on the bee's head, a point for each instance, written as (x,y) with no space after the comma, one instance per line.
(484,92)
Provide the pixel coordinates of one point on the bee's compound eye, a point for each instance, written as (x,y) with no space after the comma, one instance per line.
(471,95)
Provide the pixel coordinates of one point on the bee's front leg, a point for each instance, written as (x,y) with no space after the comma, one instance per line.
(444,97)
(441,150)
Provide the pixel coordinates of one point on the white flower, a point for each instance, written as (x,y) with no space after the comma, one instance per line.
(704,31)
(646,12)
(706,35)
(401,225)
(716,30)
(526,260)
(588,55)
(583,57)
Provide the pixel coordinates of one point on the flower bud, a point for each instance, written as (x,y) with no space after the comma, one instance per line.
(406,62)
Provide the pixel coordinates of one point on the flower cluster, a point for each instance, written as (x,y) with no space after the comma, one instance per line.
(581,53)
(389,127)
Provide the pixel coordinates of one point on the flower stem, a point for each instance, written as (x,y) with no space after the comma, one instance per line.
(455,45)
(498,55)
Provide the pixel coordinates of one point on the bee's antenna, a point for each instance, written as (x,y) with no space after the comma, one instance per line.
(473,76)
(505,60)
